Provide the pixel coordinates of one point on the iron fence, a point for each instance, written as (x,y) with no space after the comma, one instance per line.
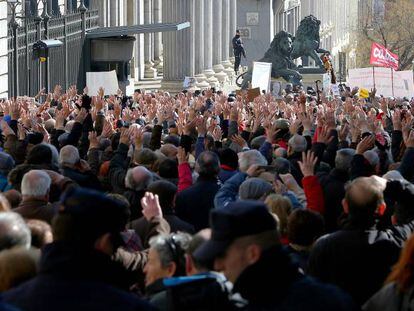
(64,62)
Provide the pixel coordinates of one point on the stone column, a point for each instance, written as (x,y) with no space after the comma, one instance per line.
(179,46)
(158,38)
(233,26)
(113,13)
(199,44)
(208,38)
(217,40)
(225,55)
(150,72)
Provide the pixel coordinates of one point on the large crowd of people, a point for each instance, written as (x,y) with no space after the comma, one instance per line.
(206,201)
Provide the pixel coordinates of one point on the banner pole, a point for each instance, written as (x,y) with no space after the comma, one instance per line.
(392,81)
(373,75)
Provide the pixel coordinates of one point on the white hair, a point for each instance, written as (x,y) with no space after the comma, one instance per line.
(298,143)
(69,126)
(138,178)
(14,231)
(249,158)
(69,155)
(36,183)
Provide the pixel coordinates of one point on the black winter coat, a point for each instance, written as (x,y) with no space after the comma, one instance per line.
(274,283)
(71,279)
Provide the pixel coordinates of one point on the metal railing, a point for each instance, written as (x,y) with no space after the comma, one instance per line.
(64,63)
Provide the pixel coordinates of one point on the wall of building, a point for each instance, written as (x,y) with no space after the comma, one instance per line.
(3,50)
(260,33)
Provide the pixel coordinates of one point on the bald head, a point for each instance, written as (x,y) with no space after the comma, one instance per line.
(169,150)
(364,197)
(138,178)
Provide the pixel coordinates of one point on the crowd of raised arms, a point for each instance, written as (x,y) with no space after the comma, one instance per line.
(206,201)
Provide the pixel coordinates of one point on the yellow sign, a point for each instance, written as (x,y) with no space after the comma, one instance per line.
(42,59)
(364,93)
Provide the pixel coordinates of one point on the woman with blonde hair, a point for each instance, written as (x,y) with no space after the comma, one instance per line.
(281,207)
(398,292)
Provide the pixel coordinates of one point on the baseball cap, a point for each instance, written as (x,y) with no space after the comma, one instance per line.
(237,219)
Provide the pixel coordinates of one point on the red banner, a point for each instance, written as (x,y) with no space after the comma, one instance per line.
(381,57)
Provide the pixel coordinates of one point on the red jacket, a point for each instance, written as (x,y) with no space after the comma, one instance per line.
(314,194)
(185,179)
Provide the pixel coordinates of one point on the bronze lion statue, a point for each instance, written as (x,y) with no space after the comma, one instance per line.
(279,54)
(306,42)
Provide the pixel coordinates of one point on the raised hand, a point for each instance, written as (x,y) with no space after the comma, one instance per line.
(182,156)
(237,139)
(151,206)
(93,140)
(324,135)
(217,133)
(81,115)
(366,144)
(307,165)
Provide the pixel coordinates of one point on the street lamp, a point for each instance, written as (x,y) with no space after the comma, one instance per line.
(14,25)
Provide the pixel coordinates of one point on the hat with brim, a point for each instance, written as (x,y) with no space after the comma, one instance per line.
(236,220)
(210,250)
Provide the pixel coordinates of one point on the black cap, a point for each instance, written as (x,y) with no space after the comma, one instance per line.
(237,219)
(94,212)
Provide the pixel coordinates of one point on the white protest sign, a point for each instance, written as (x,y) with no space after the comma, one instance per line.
(261,75)
(401,85)
(189,82)
(326,83)
(335,90)
(106,79)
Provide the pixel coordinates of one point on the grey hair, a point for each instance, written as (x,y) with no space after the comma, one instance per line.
(69,126)
(298,143)
(69,155)
(372,157)
(161,244)
(50,124)
(343,158)
(35,183)
(249,158)
(254,189)
(140,185)
(13,231)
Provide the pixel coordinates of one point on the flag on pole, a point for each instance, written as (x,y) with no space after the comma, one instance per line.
(382,57)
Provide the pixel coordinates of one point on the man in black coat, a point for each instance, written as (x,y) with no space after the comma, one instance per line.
(76,270)
(193,204)
(359,257)
(166,192)
(246,247)
(238,50)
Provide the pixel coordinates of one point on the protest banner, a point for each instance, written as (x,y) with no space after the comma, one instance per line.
(261,75)
(401,86)
(189,82)
(106,79)
(326,83)
(382,57)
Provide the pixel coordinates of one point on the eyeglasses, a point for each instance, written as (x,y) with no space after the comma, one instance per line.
(172,245)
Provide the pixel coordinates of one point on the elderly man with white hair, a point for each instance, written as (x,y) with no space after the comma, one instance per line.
(249,164)
(35,193)
(137,180)
(78,170)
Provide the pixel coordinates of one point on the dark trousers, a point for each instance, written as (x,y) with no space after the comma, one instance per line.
(237,60)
